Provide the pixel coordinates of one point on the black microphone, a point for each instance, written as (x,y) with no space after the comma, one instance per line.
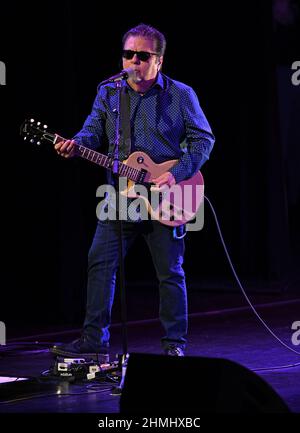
(123,75)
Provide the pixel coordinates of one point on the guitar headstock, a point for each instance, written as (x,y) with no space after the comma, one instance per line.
(35,132)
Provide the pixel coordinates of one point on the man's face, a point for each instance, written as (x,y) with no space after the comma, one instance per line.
(144,70)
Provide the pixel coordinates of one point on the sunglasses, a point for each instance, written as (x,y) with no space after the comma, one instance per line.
(143,56)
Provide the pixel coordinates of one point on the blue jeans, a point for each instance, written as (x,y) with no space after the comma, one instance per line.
(167,255)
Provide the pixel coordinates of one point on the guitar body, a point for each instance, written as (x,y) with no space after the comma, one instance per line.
(175,205)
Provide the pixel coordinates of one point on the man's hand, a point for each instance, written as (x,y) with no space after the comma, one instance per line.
(166,178)
(65,148)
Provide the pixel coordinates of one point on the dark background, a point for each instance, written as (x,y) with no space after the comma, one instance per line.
(237,56)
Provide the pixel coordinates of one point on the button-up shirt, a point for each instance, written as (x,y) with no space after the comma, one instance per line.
(166,122)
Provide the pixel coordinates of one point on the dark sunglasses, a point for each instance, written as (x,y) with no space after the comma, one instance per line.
(143,56)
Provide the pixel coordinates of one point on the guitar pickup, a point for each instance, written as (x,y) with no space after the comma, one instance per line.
(142,176)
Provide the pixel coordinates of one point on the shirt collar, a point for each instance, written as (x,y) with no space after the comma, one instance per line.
(158,83)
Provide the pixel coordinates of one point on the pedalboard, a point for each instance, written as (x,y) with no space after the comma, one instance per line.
(82,369)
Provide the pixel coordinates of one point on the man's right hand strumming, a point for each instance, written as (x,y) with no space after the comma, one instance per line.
(65,148)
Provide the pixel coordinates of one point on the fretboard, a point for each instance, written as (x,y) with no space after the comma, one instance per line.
(104,161)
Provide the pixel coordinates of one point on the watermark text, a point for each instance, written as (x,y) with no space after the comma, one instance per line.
(296,334)
(296,75)
(2,74)
(2,334)
(173,206)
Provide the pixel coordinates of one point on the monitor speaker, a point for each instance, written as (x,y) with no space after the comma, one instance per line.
(169,384)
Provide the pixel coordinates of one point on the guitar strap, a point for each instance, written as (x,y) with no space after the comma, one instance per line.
(125,128)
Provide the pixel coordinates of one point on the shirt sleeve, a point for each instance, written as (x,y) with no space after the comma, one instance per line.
(199,138)
(93,128)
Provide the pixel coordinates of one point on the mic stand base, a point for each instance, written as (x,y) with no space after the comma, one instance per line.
(123,361)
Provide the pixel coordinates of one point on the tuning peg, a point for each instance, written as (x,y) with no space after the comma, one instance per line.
(32,140)
(32,120)
(25,138)
(45,126)
(38,143)
(38,123)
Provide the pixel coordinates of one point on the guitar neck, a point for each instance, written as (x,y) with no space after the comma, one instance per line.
(100,159)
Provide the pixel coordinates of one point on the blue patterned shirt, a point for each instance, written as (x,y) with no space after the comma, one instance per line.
(167,122)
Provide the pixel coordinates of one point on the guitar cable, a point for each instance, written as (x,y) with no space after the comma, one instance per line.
(245,295)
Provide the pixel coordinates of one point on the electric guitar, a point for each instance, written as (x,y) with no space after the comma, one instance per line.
(171,206)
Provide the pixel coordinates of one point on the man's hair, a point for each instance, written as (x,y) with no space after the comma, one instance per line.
(148,32)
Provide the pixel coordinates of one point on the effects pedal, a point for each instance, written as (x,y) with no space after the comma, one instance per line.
(81,369)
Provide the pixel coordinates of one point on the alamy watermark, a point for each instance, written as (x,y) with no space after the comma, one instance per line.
(2,74)
(296,75)
(296,335)
(2,334)
(170,205)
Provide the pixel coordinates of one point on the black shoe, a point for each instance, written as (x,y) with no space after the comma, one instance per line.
(82,348)
(174,350)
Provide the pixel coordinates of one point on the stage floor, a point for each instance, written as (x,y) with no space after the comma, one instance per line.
(221,330)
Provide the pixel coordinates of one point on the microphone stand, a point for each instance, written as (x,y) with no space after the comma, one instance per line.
(122,364)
